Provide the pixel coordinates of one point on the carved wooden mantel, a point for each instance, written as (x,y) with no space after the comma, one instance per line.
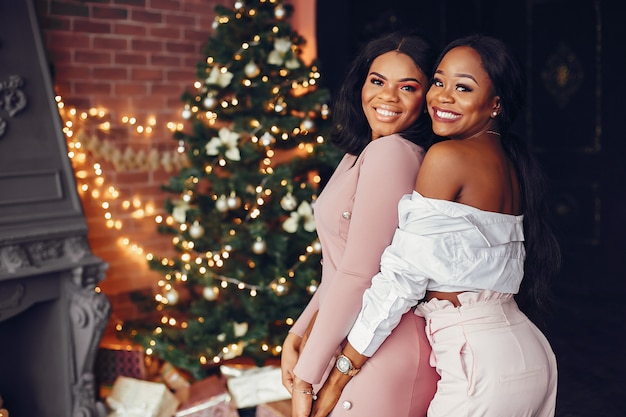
(51,314)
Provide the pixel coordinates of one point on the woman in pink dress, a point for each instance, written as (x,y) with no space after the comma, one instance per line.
(471,237)
(384,130)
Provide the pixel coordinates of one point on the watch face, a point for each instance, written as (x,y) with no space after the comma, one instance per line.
(343,364)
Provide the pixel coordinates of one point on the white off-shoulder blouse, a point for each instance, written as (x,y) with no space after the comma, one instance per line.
(439,245)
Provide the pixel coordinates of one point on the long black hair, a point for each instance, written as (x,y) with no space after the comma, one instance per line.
(543,256)
(351,131)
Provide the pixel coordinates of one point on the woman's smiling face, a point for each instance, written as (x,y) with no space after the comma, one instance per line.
(461,99)
(393,94)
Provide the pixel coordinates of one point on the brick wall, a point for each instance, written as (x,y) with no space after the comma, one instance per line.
(131,58)
(128,58)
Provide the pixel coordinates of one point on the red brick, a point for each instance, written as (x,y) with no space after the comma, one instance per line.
(180,47)
(165,60)
(200,36)
(65,8)
(112,13)
(51,23)
(179,75)
(92,88)
(129,29)
(146,45)
(146,74)
(74,102)
(166,32)
(179,20)
(92,57)
(165,4)
(130,59)
(72,72)
(199,8)
(89,26)
(107,42)
(68,40)
(166,89)
(141,3)
(139,15)
(110,73)
(152,100)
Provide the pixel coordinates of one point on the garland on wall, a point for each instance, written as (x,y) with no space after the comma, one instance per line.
(89,153)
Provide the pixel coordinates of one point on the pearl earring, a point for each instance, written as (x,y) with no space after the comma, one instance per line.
(494,114)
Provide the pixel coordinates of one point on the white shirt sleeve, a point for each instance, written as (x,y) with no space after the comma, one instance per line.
(394,290)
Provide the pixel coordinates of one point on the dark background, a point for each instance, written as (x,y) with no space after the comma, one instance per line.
(574,56)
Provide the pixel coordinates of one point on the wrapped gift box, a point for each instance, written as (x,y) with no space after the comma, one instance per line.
(136,398)
(274,409)
(176,380)
(113,360)
(208,398)
(251,386)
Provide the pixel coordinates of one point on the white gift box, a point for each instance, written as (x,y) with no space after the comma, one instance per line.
(208,398)
(132,397)
(253,386)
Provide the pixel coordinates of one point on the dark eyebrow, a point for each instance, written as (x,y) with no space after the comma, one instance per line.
(461,75)
(401,79)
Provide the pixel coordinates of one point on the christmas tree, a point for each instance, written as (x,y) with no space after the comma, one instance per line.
(247,255)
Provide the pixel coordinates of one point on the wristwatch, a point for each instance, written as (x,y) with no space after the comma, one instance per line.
(344,365)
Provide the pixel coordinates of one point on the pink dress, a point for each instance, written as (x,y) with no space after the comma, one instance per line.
(356,216)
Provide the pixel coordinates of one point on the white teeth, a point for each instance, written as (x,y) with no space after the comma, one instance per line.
(447,115)
(386,112)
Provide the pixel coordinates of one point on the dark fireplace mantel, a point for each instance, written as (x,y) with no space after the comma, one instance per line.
(52,315)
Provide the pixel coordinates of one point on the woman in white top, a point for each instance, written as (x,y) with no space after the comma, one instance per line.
(468,234)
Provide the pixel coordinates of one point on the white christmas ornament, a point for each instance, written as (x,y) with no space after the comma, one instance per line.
(280,12)
(196,230)
(288,202)
(221,205)
(211,293)
(209,102)
(251,69)
(267,139)
(233,202)
(259,246)
(172,296)
(307,124)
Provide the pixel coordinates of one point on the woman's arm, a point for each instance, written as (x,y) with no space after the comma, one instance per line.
(388,170)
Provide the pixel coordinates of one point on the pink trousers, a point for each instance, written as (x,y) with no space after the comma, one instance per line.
(493,361)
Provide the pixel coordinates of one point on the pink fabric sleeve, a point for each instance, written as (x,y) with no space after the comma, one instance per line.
(300,326)
(388,171)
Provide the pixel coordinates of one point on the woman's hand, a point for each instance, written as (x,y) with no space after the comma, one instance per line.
(329,394)
(292,346)
(301,398)
(289,358)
